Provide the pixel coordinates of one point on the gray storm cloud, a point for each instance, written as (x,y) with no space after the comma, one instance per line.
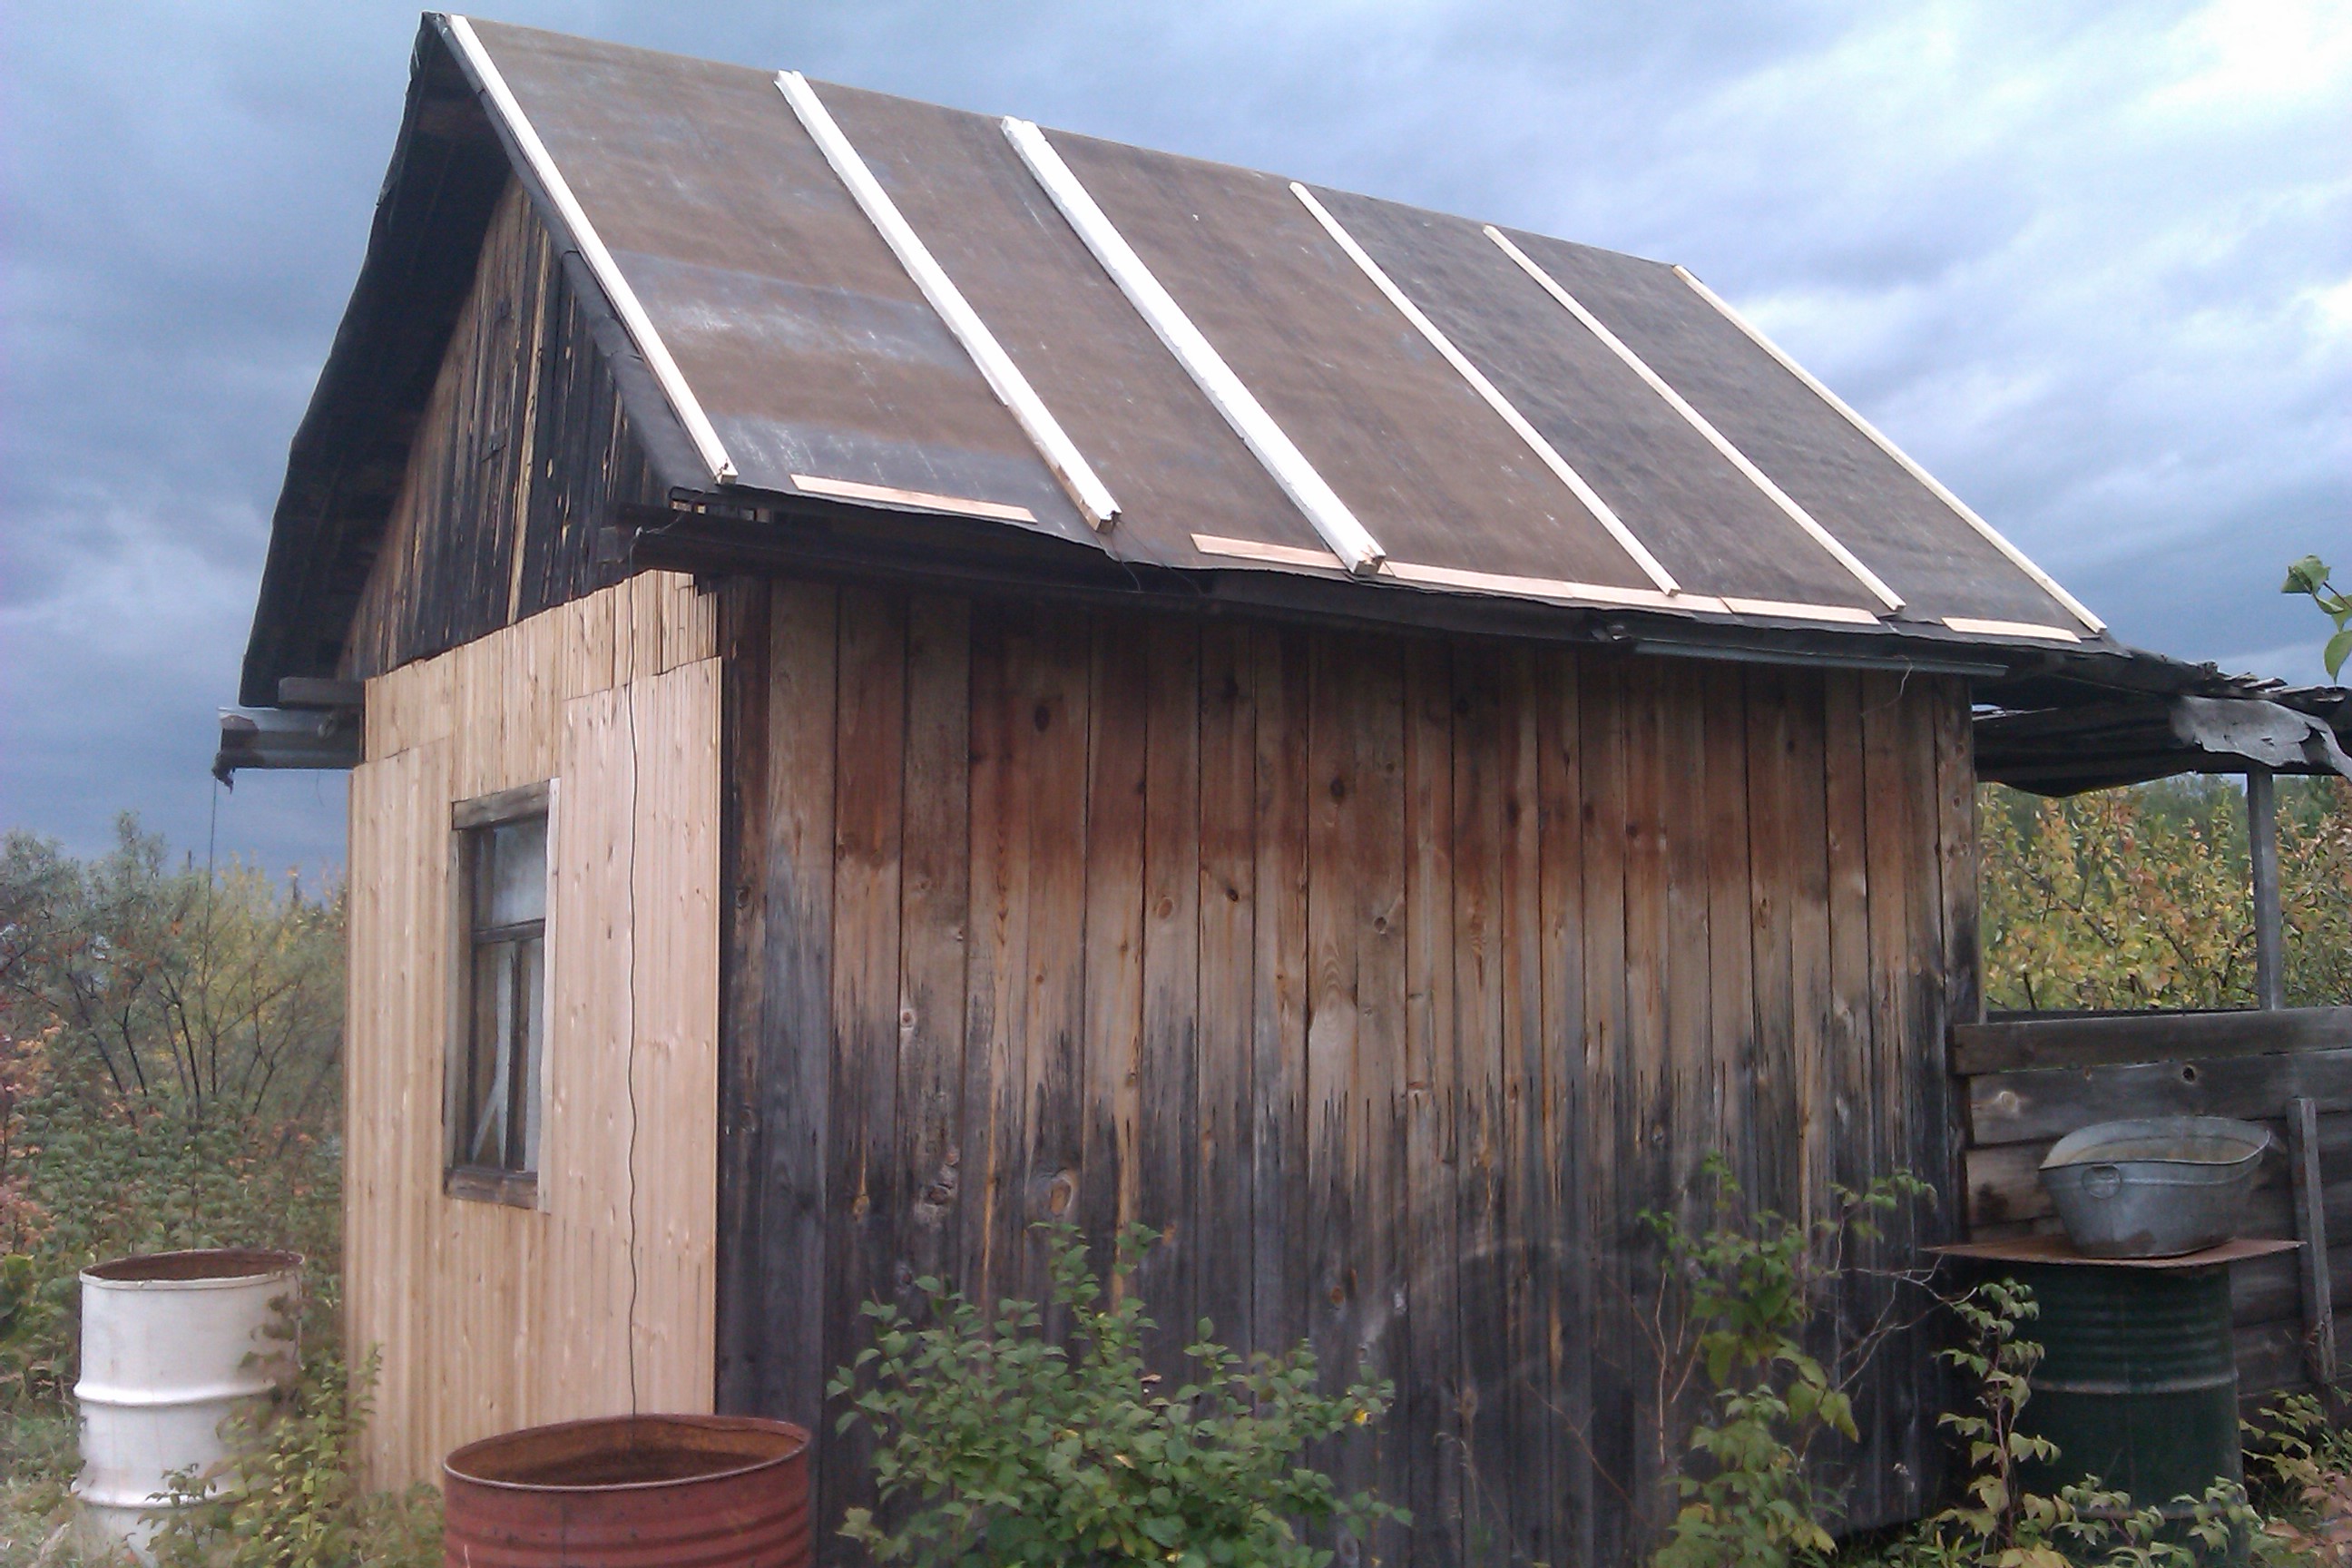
(2092,264)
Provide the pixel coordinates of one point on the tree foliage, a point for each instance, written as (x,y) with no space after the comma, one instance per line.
(170,1048)
(2143,897)
(2309,575)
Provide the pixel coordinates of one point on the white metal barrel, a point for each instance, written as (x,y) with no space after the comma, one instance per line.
(172,1344)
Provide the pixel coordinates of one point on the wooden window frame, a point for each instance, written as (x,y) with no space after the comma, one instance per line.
(468,819)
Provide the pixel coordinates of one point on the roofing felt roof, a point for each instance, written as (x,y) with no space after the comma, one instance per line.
(944,313)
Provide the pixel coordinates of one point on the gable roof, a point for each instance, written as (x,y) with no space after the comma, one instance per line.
(829,301)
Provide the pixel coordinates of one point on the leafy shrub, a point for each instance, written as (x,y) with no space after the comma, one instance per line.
(290,1496)
(1736,1305)
(2307,1466)
(1002,1447)
(1998,1523)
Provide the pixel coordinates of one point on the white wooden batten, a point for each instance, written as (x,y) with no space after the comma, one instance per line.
(1699,422)
(607,272)
(2017,558)
(1331,517)
(1003,377)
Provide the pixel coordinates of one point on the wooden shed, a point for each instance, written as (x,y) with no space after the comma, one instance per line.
(907,674)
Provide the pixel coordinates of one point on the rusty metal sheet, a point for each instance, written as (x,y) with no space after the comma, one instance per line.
(806,342)
(1706,523)
(1925,551)
(1175,465)
(1434,473)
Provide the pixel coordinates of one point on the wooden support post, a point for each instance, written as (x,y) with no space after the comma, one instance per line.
(2261,836)
(2311,1230)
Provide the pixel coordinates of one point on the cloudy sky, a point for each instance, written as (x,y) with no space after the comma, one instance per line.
(2091,263)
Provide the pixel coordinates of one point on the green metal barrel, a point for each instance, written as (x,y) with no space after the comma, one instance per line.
(2137,1384)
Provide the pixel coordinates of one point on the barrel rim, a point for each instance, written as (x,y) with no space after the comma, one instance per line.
(150,1270)
(800,1445)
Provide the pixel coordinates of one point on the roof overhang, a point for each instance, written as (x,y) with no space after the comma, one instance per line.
(2079,726)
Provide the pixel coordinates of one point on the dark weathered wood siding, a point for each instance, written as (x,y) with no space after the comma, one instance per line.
(521,454)
(1393,978)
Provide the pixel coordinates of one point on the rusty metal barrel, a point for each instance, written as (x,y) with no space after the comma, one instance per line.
(629,1491)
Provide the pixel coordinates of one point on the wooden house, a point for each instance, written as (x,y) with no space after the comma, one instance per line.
(908,675)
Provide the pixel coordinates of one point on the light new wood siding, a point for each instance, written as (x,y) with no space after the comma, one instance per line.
(1392,978)
(488,1316)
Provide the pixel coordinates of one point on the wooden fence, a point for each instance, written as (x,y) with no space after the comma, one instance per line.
(2027,1080)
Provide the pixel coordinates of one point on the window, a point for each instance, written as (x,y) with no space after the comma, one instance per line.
(500,1000)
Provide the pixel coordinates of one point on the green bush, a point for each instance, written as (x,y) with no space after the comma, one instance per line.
(1736,1302)
(290,1499)
(1998,1523)
(1001,1446)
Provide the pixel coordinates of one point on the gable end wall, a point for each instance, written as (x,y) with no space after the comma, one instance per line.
(520,455)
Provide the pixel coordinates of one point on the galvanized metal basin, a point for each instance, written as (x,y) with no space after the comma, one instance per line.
(2157,1187)
(685,1492)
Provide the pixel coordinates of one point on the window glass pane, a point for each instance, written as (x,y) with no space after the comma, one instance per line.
(483,1139)
(530,965)
(510,873)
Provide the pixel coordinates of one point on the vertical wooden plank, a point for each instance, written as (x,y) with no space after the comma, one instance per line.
(1526,1218)
(1109,1190)
(1928,1150)
(1732,1005)
(1334,739)
(1222,1214)
(1059,724)
(1566,1287)
(1611,1128)
(424,1284)
(1819,1042)
(1655,1151)
(1779,1128)
(1491,1504)
(1378,1110)
(1696,1089)
(2311,1230)
(934,899)
(996,1031)
(366,1224)
(1852,1133)
(672,1072)
(742,979)
(1873,909)
(1429,1394)
(796,1032)
(866,1203)
(1956,821)
(1167,1069)
(1283,677)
